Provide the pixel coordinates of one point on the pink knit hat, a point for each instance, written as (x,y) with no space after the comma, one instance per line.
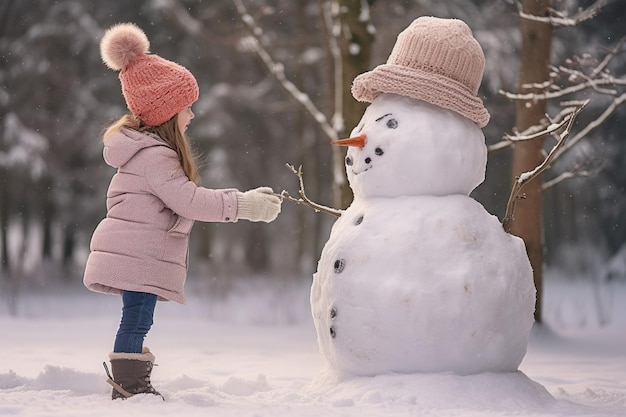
(154,88)
(434,60)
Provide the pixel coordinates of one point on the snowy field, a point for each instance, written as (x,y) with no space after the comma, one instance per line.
(255,354)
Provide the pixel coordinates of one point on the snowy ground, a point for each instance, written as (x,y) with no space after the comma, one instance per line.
(255,354)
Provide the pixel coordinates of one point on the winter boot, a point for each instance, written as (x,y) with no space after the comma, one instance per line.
(131,374)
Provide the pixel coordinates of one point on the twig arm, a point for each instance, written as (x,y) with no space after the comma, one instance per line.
(526,177)
(303,197)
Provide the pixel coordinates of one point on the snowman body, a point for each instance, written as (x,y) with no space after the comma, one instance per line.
(416,276)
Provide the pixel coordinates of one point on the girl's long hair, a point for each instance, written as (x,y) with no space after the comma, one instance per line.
(169,133)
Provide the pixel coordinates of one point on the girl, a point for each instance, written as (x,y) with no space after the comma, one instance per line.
(140,249)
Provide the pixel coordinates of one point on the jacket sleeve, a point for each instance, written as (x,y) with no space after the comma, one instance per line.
(166,178)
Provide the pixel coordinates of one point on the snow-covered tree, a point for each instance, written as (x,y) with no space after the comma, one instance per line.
(584,76)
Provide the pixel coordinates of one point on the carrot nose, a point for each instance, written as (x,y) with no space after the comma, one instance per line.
(353,141)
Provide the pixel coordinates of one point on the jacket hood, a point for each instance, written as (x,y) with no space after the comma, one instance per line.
(123,145)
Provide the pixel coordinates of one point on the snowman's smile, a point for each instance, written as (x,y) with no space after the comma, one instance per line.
(367,163)
(361,171)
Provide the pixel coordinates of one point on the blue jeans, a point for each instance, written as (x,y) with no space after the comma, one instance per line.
(137,318)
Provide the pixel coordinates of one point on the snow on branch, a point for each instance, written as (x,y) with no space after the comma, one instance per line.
(572,73)
(548,126)
(576,75)
(605,62)
(303,197)
(526,177)
(575,173)
(610,109)
(558,18)
(278,71)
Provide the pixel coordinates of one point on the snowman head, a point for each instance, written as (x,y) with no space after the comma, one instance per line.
(406,147)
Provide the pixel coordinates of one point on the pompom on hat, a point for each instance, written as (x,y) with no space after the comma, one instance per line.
(434,60)
(154,88)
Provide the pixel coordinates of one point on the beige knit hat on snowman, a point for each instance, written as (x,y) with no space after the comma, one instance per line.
(434,60)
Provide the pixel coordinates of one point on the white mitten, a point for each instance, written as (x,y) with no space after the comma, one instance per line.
(258,205)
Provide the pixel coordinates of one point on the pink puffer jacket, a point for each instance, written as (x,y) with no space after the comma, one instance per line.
(143,242)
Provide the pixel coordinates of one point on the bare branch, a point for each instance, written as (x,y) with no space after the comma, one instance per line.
(618,101)
(597,78)
(499,145)
(190,24)
(550,127)
(526,177)
(303,197)
(184,19)
(546,95)
(605,62)
(530,134)
(560,19)
(590,82)
(278,71)
(571,174)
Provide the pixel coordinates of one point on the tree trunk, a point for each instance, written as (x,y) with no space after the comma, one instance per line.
(46,202)
(257,255)
(535,58)
(303,150)
(69,245)
(4,222)
(355,43)
(203,249)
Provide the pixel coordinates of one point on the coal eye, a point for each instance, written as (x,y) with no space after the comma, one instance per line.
(339,265)
(378,151)
(348,160)
(392,123)
(359,128)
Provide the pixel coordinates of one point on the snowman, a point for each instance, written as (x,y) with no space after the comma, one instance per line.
(417,276)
